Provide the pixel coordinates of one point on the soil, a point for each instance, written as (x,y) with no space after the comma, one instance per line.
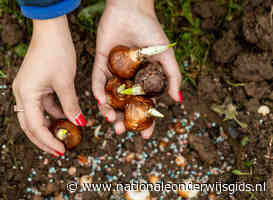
(212,147)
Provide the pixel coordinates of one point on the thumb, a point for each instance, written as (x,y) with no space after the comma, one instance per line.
(69,101)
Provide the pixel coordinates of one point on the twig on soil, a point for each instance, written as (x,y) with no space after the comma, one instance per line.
(235,84)
(269,153)
(268,157)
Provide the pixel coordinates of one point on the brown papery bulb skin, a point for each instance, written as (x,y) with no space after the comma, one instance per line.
(137,117)
(151,78)
(114,98)
(123,61)
(73,136)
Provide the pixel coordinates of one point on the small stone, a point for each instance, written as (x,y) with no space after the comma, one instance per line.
(130,157)
(59,163)
(263,110)
(163,144)
(179,128)
(86,179)
(45,161)
(181,161)
(87,93)
(72,171)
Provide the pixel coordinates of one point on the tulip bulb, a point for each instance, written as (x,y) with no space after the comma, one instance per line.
(124,61)
(67,132)
(138,195)
(115,98)
(150,80)
(153,179)
(181,161)
(188,193)
(140,113)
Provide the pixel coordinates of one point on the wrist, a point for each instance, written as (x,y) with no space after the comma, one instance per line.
(53,26)
(146,6)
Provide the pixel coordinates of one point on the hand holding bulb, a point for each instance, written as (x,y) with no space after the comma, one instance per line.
(133,24)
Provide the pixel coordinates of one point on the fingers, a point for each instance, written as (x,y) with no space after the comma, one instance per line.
(35,123)
(32,137)
(51,107)
(31,132)
(69,100)
(147,133)
(108,112)
(172,70)
(119,124)
(120,127)
(99,78)
(98,85)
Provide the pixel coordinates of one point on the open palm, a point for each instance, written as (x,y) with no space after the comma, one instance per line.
(132,28)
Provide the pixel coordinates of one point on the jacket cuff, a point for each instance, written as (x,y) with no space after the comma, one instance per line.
(52,11)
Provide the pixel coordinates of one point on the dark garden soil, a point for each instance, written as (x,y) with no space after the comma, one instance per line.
(213,148)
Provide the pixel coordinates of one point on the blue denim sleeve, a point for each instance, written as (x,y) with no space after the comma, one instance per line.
(47,9)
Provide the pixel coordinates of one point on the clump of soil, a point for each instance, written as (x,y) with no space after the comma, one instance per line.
(258,29)
(257,89)
(210,12)
(253,67)
(210,89)
(225,49)
(209,9)
(12,34)
(204,147)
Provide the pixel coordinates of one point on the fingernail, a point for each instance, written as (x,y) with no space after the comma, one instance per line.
(180,96)
(80,120)
(60,153)
(98,102)
(146,136)
(55,156)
